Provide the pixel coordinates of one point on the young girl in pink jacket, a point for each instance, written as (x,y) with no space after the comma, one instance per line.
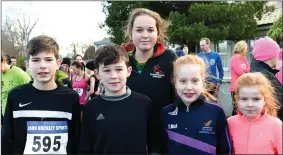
(255,129)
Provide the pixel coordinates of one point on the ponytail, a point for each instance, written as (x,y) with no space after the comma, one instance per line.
(208,96)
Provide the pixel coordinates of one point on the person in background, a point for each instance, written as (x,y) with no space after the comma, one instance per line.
(93,81)
(66,64)
(79,82)
(12,76)
(239,65)
(13,61)
(265,53)
(256,128)
(182,50)
(214,64)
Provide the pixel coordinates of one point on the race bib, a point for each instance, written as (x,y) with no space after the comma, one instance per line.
(79,91)
(46,137)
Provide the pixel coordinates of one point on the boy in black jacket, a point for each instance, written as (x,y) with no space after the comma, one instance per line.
(117,121)
(42,117)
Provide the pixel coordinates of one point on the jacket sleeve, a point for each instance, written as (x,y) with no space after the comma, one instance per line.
(224,142)
(86,139)
(75,128)
(220,68)
(7,129)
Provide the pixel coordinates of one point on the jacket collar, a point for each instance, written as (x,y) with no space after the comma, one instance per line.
(178,102)
(258,120)
(263,65)
(159,48)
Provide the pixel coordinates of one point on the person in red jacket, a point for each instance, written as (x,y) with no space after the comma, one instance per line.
(256,128)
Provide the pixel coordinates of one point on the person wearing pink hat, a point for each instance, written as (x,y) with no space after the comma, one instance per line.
(265,53)
(279,67)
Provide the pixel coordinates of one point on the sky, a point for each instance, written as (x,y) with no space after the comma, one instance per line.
(65,21)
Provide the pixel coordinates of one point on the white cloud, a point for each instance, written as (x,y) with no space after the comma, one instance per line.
(68,22)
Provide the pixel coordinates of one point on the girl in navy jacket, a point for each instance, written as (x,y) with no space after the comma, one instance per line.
(193,124)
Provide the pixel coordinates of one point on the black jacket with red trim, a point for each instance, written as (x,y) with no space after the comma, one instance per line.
(154,80)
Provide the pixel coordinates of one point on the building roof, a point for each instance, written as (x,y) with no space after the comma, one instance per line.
(269,18)
(102,42)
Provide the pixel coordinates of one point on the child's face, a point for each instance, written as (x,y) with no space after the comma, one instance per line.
(144,32)
(114,77)
(250,102)
(43,66)
(188,82)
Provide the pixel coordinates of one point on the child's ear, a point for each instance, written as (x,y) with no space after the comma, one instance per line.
(129,71)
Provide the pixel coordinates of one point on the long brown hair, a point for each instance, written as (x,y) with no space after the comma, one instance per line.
(263,84)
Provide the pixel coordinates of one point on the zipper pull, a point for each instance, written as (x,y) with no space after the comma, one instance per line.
(188,109)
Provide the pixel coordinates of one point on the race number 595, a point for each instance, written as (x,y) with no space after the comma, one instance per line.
(46,143)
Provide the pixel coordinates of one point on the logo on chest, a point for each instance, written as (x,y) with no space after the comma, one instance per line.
(207,128)
(172,126)
(243,65)
(158,73)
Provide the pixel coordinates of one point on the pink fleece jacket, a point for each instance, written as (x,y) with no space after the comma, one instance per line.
(238,66)
(259,136)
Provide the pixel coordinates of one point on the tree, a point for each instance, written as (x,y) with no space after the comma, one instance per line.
(217,21)
(117,13)
(89,53)
(16,34)
(275,31)
(191,20)
(74,50)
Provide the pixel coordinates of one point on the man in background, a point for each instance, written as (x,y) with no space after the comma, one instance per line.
(13,61)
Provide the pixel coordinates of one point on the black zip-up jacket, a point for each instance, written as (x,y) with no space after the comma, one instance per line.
(269,73)
(154,80)
(200,128)
(41,122)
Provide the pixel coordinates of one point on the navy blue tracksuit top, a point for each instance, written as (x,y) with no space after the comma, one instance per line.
(200,128)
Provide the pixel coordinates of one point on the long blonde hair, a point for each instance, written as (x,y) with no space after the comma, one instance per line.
(263,84)
(193,59)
